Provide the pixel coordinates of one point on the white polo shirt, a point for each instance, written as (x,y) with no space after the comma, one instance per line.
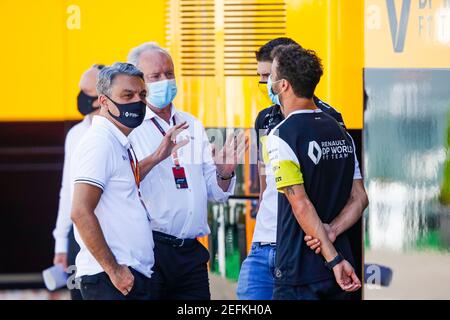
(101,160)
(179,212)
(266,218)
(63,221)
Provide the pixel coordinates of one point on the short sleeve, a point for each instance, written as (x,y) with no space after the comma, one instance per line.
(284,162)
(92,162)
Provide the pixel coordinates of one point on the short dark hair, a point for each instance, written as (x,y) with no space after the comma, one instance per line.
(263,53)
(301,67)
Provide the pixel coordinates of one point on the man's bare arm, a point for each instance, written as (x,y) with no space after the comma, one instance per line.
(148,163)
(85,200)
(230,156)
(307,217)
(309,221)
(348,216)
(164,150)
(353,210)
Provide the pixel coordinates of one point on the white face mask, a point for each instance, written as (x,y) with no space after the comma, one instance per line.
(161,93)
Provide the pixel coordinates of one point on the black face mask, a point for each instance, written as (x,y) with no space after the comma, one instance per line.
(85,103)
(131,114)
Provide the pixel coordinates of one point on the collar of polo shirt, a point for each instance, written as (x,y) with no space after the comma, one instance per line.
(149,114)
(108,125)
(304,111)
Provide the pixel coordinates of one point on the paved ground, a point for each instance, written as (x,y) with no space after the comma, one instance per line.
(415,275)
(33,295)
(221,288)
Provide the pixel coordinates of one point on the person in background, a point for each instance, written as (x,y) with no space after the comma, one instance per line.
(66,248)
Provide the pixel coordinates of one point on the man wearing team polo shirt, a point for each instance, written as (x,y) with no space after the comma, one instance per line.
(313,162)
(256,277)
(111,222)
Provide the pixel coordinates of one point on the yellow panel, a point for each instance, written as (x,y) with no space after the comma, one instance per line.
(109,29)
(229,95)
(334,29)
(347,63)
(32,56)
(221,100)
(199,96)
(424,43)
(39,34)
(51,43)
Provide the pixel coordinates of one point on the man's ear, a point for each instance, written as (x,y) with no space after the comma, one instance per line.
(108,105)
(103,100)
(285,85)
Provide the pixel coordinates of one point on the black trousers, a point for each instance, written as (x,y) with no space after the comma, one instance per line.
(72,251)
(321,290)
(100,287)
(181,273)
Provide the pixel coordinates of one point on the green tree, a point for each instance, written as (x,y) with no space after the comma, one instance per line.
(445,189)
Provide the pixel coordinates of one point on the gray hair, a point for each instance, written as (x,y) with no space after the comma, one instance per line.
(135,53)
(107,75)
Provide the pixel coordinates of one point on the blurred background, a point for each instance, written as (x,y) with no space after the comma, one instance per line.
(387,70)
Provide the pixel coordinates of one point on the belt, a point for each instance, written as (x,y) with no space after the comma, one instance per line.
(267,243)
(172,240)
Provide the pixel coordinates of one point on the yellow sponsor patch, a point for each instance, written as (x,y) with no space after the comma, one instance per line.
(264,152)
(287,173)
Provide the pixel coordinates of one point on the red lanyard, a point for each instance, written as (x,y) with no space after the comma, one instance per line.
(134,166)
(137,177)
(158,126)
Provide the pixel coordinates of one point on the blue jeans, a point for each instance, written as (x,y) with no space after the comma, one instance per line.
(321,290)
(256,277)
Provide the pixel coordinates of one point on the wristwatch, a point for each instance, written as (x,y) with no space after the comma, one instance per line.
(225,178)
(330,265)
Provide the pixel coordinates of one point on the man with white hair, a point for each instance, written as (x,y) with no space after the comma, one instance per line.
(176,191)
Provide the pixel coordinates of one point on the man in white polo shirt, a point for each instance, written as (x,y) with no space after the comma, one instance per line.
(177,190)
(111,222)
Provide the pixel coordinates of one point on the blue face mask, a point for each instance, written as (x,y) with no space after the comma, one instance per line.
(161,93)
(274,97)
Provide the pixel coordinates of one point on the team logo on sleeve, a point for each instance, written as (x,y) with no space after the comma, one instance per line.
(314,152)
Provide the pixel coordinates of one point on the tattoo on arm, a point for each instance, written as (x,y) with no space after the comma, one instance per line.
(290,191)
